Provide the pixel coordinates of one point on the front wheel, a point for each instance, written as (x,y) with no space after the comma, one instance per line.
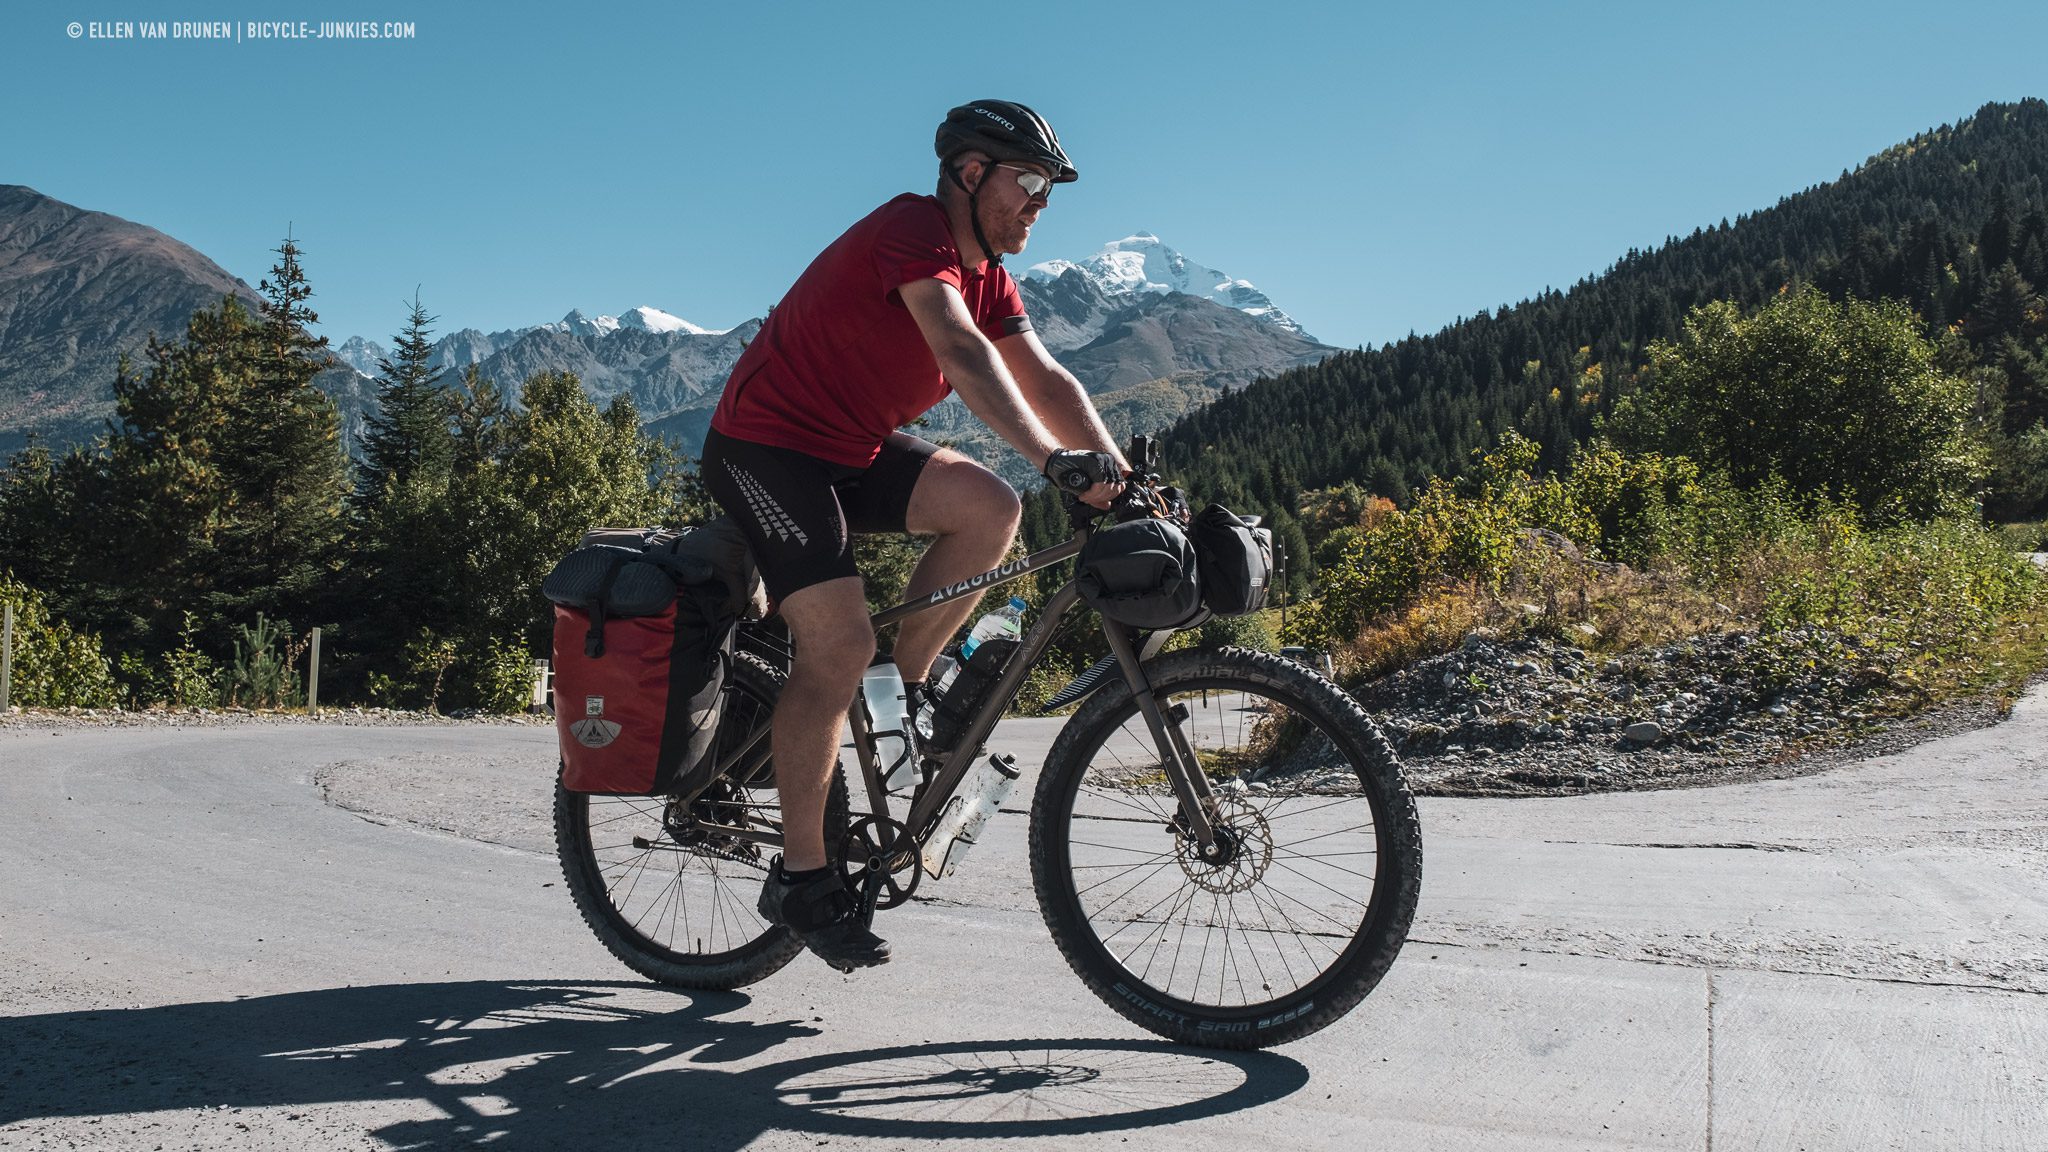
(1304,903)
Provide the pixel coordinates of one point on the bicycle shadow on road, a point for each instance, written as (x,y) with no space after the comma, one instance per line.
(548,1064)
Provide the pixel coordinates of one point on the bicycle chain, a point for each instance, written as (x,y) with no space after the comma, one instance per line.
(708,849)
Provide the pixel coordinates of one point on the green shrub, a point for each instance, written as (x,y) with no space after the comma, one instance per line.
(54,665)
(1836,398)
(1913,596)
(1235,631)
(504,677)
(1468,531)
(184,677)
(264,673)
(427,660)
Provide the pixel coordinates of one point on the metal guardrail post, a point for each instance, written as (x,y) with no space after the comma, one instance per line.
(543,672)
(6,655)
(313,676)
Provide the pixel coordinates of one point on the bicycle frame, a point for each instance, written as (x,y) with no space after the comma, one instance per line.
(1191,787)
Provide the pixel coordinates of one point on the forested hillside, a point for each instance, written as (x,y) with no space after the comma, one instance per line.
(1954,222)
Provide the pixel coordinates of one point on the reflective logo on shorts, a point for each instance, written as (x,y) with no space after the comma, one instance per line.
(594,733)
(766,511)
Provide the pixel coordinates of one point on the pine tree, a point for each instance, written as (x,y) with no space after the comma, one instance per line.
(162,494)
(1994,242)
(2005,309)
(284,463)
(402,578)
(410,433)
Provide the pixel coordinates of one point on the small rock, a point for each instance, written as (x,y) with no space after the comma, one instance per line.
(1643,732)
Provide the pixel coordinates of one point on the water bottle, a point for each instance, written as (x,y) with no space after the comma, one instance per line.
(881,691)
(981,795)
(1007,621)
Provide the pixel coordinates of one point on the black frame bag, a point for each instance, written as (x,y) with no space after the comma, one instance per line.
(1236,559)
(1141,573)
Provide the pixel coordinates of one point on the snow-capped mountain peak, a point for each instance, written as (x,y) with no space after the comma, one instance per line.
(577,324)
(1141,262)
(655,320)
(643,318)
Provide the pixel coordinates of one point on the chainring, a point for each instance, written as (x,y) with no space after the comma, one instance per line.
(878,842)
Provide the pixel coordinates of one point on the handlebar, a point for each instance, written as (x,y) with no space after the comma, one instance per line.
(1143,495)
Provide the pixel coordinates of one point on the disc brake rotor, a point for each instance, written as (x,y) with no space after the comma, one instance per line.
(1242,853)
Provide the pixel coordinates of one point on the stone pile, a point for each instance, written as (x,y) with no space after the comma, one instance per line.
(1499,716)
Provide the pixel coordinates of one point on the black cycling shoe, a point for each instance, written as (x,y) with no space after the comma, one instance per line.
(825,916)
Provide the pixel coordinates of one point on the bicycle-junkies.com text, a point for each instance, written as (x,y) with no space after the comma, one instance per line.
(238,31)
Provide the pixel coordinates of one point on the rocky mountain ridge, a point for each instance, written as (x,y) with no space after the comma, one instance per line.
(79,288)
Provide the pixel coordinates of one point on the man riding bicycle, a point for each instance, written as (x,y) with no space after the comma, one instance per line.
(805,451)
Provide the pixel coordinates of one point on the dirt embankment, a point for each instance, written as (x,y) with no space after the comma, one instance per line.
(1536,717)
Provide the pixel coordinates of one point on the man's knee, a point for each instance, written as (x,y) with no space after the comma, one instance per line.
(960,497)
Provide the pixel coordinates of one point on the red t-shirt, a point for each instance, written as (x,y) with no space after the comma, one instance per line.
(840,362)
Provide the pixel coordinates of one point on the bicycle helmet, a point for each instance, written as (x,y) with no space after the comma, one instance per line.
(1006,130)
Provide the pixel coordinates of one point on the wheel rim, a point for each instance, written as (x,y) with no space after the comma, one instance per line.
(1268,918)
(680,894)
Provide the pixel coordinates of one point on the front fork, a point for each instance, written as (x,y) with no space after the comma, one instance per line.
(1176,755)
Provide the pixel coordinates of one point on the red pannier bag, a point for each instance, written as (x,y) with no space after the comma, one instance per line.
(643,641)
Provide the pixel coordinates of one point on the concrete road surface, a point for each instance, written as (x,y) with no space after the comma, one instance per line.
(315,937)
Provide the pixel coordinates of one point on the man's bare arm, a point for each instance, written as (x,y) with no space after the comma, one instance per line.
(975,369)
(1056,396)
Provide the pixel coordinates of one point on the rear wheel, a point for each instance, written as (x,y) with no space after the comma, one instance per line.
(1305,899)
(669,896)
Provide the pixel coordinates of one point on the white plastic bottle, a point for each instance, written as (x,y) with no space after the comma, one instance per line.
(981,795)
(1006,622)
(881,690)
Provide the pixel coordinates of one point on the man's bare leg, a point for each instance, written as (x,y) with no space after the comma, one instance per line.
(828,625)
(974,514)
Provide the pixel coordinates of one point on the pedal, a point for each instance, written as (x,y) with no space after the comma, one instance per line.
(871,890)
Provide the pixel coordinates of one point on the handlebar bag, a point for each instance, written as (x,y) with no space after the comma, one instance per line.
(1236,559)
(643,641)
(1141,573)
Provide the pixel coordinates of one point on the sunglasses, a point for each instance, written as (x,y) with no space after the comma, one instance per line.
(1031,182)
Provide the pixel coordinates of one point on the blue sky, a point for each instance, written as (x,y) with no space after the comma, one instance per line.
(1375,169)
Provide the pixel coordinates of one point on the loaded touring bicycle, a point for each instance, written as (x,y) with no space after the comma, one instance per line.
(1221,842)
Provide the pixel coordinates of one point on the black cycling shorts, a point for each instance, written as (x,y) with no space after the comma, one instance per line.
(800,513)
